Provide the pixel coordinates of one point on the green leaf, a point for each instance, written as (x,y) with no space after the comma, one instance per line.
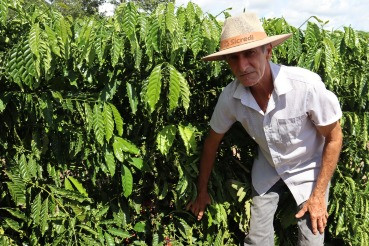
(340,223)
(174,88)
(182,185)
(118,150)
(312,35)
(138,56)
(160,16)
(109,122)
(185,93)
(89,229)
(69,194)
(195,40)
(98,124)
(119,232)
(100,43)
(44,216)
(3,12)
(350,37)
(23,168)
(125,146)
(129,19)
(101,236)
(143,23)
(117,49)
(46,57)
(16,213)
(241,193)
(330,54)
(190,13)
(294,46)
(109,239)
(68,185)
(89,116)
(170,17)
(178,87)
(36,209)
(127,181)
(102,211)
(155,239)
(219,239)
(137,162)
(140,226)
(17,190)
(110,88)
(154,88)
(132,97)
(32,167)
(152,39)
(12,224)
(2,105)
(118,119)
(188,136)
(165,139)
(110,162)
(52,39)
(34,39)
(78,185)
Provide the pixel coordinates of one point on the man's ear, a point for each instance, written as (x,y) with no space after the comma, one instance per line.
(269,49)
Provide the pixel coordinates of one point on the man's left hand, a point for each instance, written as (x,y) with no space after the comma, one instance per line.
(317,209)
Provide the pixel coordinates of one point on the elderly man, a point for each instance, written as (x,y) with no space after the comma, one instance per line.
(294,120)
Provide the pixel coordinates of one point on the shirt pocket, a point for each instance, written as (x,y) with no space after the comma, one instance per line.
(290,129)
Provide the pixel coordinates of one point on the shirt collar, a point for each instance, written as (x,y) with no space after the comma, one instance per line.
(244,94)
(282,84)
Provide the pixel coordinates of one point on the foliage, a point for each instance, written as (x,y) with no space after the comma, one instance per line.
(146,5)
(77,8)
(103,119)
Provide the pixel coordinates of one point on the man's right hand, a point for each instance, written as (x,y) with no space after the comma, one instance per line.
(198,206)
(209,152)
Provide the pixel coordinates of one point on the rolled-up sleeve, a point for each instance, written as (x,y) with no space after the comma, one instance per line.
(323,105)
(222,118)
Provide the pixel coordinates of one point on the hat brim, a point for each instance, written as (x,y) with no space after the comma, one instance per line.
(274,40)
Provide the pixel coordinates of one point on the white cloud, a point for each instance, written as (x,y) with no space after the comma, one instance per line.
(107,9)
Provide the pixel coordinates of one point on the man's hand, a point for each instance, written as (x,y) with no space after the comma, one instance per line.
(317,208)
(198,206)
(209,152)
(316,204)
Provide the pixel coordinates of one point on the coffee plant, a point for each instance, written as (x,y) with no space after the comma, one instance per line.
(102,122)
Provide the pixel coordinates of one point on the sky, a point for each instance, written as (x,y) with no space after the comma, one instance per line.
(339,13)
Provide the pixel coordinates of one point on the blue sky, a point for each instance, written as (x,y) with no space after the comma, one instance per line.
(339,13)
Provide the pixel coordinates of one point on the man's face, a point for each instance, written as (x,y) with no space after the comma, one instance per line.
(249,66)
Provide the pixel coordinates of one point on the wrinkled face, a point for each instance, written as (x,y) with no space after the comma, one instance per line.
(249,66)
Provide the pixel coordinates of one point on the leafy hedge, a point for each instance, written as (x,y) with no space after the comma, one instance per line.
(102,121)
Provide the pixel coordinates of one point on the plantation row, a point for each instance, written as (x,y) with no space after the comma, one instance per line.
(102,121)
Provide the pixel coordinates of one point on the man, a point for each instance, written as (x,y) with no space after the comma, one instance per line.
(293,119)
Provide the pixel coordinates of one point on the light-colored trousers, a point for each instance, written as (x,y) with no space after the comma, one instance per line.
(263,208)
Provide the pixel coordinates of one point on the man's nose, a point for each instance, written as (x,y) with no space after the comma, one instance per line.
(243,63)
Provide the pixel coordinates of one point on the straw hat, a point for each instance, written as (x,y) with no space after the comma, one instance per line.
(243,32)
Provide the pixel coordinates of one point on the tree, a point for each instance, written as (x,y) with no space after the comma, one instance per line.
(147,5)
(77,8)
